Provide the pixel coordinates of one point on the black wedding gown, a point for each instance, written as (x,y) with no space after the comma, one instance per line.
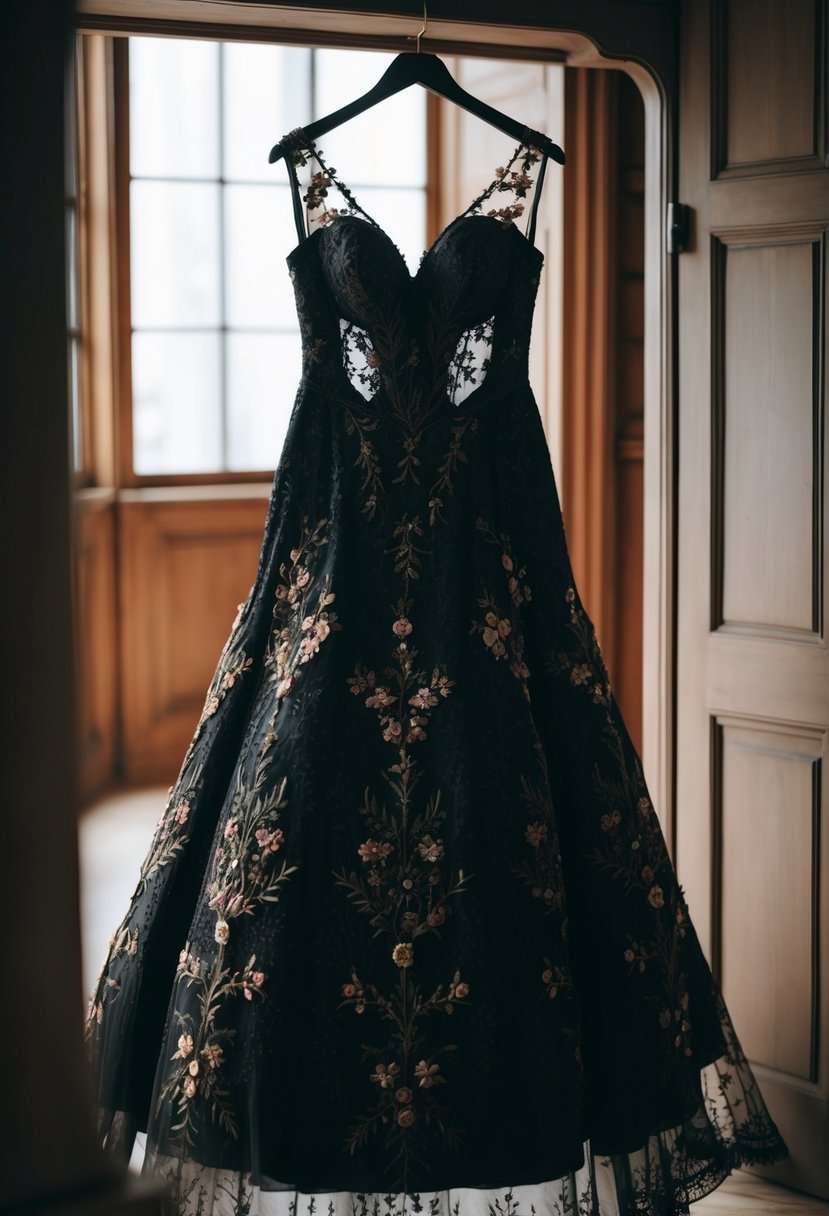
(408,937)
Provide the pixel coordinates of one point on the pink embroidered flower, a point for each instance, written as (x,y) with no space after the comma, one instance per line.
(190,1087)
(310,647)
(423,699)
(185,1047)
(402,627)
(580,674)
(385,1075)
(303,577)
(535,834)
(431,850)
(392,732)
(375,851)
(211,706)
(269,841)
(444,685)
(307,624)
(403,1094)
(322,630)
(231,828)
(429,1074)
(656,897)
(609,822)
(506,561)
(380,698)
(222,932)
(490,636)
(284,686)
(629,955)
(182,812)
(294,555)
(644,806)
(406,1117)
(436,917)
(212,1056)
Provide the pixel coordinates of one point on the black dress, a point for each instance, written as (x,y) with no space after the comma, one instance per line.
(408,936)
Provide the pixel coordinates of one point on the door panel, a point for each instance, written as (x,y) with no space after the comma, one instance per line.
(752,841)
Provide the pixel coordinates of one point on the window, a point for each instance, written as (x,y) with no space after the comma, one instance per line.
(214,343)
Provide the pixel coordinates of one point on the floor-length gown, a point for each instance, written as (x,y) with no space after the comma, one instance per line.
(408,937)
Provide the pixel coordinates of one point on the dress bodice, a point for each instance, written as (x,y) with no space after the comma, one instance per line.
(414,345)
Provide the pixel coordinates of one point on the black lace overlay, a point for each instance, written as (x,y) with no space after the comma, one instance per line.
(408,937)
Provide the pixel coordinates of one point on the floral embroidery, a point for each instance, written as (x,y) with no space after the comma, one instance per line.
(196,1078)
(244,875)
(501,632)
(449,466)
(367,459)
(404,886)
(304,620)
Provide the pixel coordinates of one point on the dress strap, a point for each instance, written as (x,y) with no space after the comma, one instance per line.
(294,144)
(515,178)
(299,149)
(539,182)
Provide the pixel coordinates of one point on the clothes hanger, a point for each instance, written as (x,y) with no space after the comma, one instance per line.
(415,67)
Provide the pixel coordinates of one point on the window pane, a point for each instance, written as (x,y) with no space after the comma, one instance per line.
(386,143)
(175,253)
(267,92)
(259,233)
(176,399)
(174,107)
(72,268)
(263,373)
(402,215)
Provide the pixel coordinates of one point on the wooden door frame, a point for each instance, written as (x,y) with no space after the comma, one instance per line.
(639,37)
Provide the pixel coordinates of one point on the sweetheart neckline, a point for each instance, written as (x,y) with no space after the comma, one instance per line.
(427,253)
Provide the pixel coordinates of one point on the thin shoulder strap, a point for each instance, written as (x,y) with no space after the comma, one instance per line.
(539,182)
(294,151)
(299,149)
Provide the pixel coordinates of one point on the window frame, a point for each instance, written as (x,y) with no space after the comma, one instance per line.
(76,201)
(127,475)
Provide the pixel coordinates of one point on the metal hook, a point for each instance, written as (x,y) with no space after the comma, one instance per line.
(422,30)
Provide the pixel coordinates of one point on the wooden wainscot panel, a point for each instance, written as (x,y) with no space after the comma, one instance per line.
(185,565)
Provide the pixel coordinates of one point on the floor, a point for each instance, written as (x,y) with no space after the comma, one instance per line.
(114,835)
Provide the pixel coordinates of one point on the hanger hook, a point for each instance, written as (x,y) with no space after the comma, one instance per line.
(422,29)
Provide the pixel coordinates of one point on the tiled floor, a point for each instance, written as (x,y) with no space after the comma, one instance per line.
(115,833)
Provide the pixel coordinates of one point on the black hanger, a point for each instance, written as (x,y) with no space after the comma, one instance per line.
(412,67)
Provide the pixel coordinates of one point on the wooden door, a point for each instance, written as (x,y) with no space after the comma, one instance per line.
(752,839)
